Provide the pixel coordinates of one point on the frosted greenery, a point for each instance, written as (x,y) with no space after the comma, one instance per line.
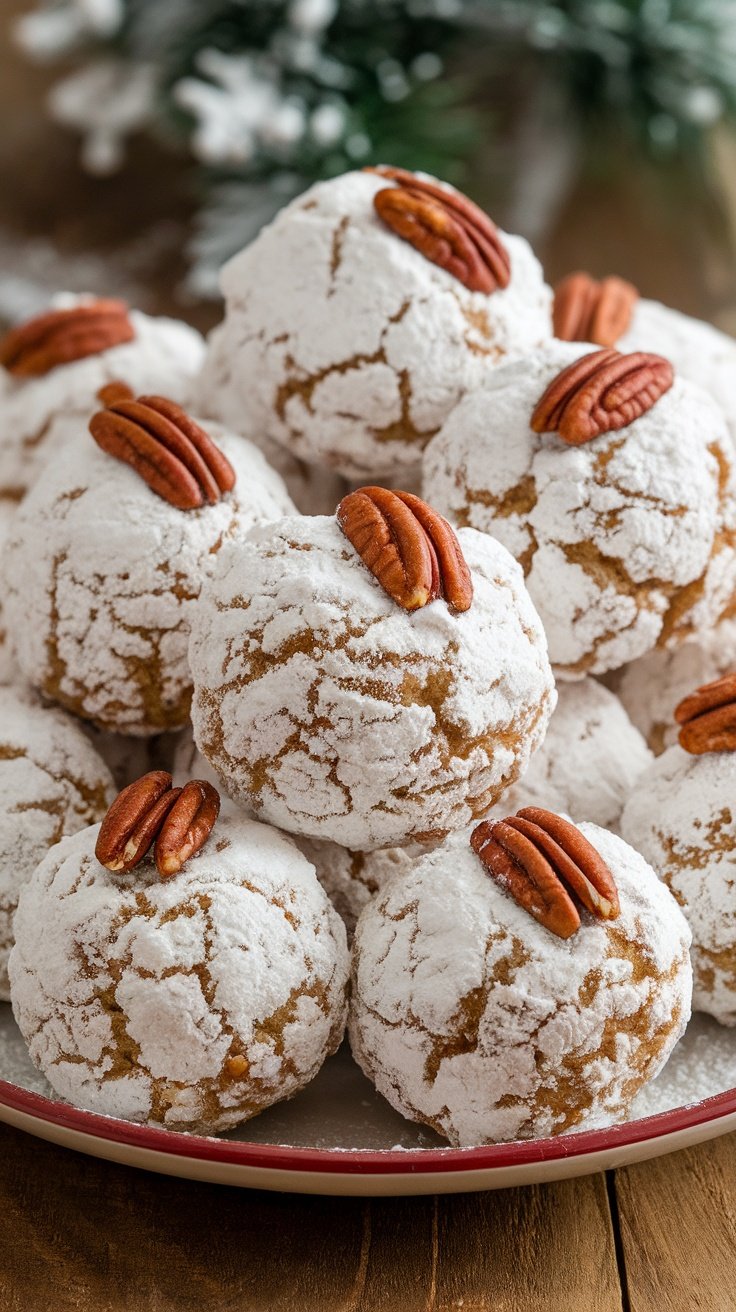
(268,95)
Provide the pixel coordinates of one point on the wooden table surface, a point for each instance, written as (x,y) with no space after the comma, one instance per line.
(76,1233)
(80,1234)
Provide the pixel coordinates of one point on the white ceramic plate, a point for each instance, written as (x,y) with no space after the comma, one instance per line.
(339,1137)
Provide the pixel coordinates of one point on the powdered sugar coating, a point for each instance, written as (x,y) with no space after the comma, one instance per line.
(589,761)
(471,1017)
(8,671)
(103,576)
(162,358)
(336,714)
(314,490)
(697,350)
(348,346)
(350,878)
(52,782)
(627,541)
(136,994)
(681,817)
(651,687)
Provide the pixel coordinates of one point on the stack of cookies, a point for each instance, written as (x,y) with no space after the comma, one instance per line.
(340,655)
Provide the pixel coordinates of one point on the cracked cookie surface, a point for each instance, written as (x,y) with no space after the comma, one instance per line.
(52,783)
(338,715)
(627,542)
(681,817)
(351,878)
(469,1016)
(216,395)
(162,359)
(191,1003)
(102,577)
(8,671)
(697,350)
(651,687)
(589,761)
(348,346)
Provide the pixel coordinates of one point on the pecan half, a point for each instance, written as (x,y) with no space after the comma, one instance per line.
(600,393)
(408,547)
(61,336)
(538,856)
(172,454)
(115,391)
(708,717)
(134,820)
(446,227)
(178,820)
(588,310)
(187,826)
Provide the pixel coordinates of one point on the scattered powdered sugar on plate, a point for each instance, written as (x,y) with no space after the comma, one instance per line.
(703,1065)
(340,1111)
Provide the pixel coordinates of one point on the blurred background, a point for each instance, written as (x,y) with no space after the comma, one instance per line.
(144,141)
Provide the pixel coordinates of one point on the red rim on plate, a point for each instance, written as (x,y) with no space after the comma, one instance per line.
(389,1161)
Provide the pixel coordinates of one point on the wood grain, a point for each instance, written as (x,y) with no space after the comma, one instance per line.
(678,1230)
(90,1236)
(545,1248)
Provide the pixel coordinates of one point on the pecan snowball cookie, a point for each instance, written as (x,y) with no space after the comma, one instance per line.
(314,490)
(368,678)
(589,761)
(52,783)
(356,320)
(610,312)
(652,687)
(105,560)
(681,817)
(612,484)
(8,671)
(491,1018)
(351,878)
(57,363)
(192,1002)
